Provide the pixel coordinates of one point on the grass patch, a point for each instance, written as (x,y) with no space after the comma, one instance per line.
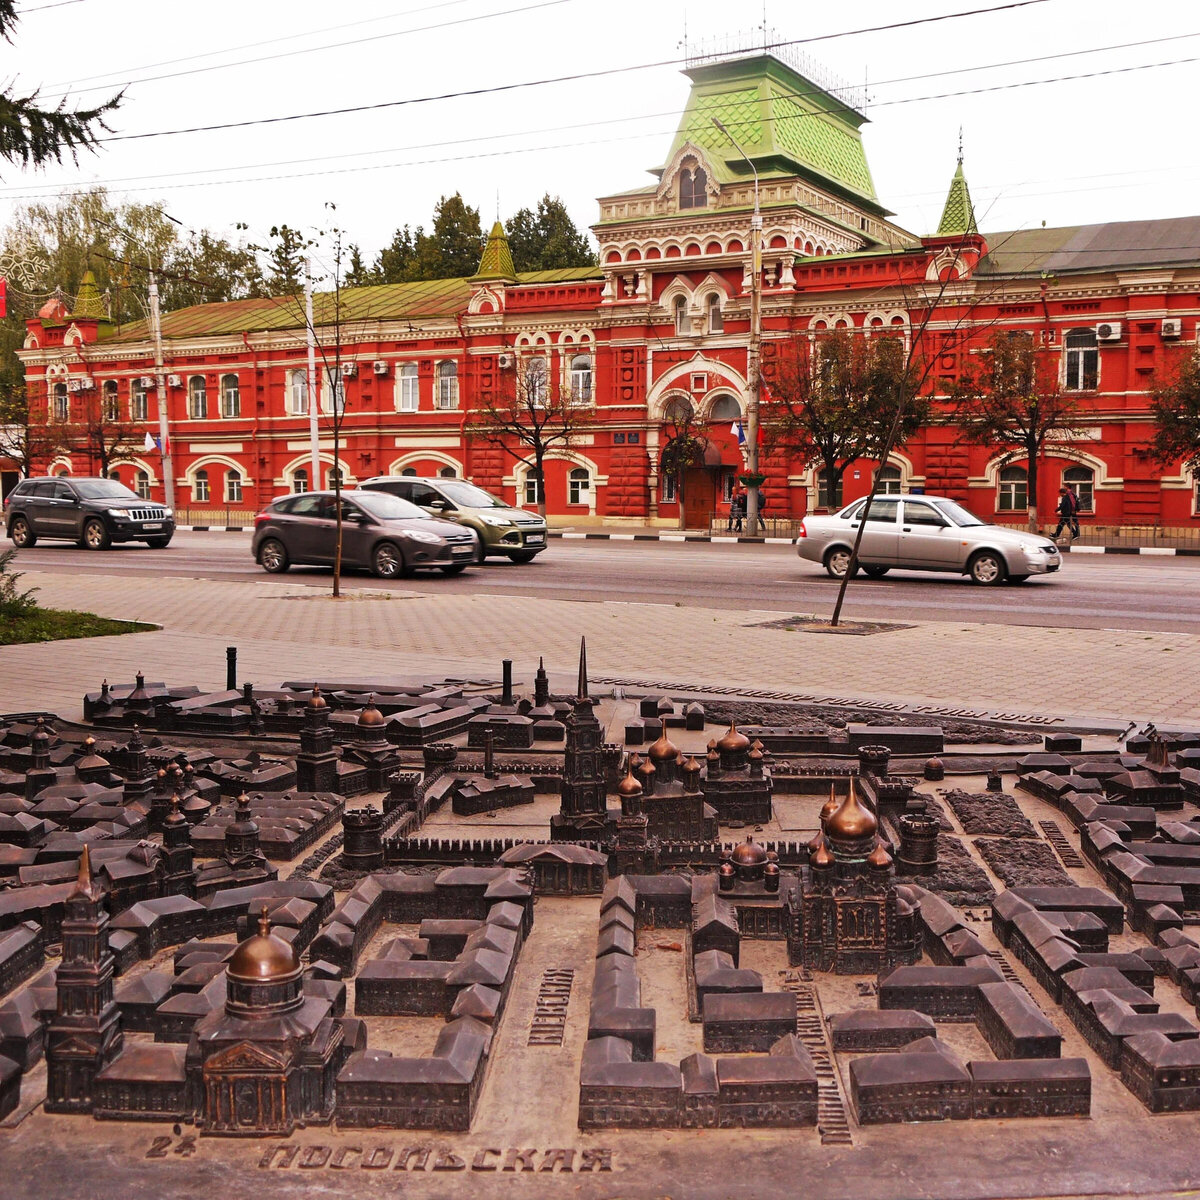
(53,625)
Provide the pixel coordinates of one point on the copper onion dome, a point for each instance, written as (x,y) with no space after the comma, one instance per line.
(852,820)
(316,700)
(821,856)
(830,806)
(263,956)
(664,750)
(733,741)
(879,857)
(370,717)
(629,786)
(748,854)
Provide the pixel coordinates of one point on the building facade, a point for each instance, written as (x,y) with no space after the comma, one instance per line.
(655,338)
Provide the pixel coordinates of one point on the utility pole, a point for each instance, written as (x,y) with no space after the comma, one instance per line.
(160,383)
(753,351)
(310,380)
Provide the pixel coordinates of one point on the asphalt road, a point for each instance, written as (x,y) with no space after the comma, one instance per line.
(1092,591)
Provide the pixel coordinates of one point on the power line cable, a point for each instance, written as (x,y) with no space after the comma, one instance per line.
(571,78)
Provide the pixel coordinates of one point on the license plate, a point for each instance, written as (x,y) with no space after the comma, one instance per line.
(534,539)
(151,524)
(461,551)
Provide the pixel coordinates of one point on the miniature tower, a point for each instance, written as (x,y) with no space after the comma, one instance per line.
(541,686)
(139,777)
(241,835)
(84,1035)
(40,774)
(316,764)
(584,806)
(178,852)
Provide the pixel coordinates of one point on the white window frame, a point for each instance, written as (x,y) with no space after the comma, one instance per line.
(62,403)
(233,486)
(333,399)
(581,377)
(537,381)
(231,397)
(1075,361)
(297,388)
(1012,490)
(201,487)
(408,388)
(668,491)
(893,480)
(823,490)
(716,318)
(446,395)
(680,315)
(1083,488)
(579,486)
(141,484)
(139,401)
(299,476)
(197,412)
(110,402)
(532,487)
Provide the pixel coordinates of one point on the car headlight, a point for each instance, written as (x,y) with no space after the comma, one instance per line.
(494,521)
(418,535)
(118,512)
(168,512)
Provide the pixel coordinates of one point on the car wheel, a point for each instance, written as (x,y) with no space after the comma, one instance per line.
(158,543)
(522,556)
(837,562)
(1017,578)
(274,557)
(21,534)
(876,572)
(387,561)
(987,569)
(95,536)
(455,569)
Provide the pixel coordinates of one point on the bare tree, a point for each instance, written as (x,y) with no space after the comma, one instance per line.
(1013,398)
(684,448)
(102,435)
(531,413)
(1175,407)
(27,434)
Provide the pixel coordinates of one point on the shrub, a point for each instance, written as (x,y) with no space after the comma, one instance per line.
(14,603)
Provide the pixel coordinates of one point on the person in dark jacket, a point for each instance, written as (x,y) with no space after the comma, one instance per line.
(1068,509)
(737,510)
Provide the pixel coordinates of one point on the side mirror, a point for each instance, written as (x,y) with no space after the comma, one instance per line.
(355,517)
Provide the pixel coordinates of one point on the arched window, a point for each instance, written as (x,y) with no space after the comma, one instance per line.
(141,484)
(335,386)
(139,402)
(410,471)
(1014,490)
(693,188)
(447,473)
(533,489)
(336,479)
(200,492)
(887,481)
(678,411)
(110,404)
(297,389)
(829,490)
(716,322)
(725,408)
(1083,360)
(1082,481)
(535,382)
(233,487)
(407,396)
(447,385)
(683,323)
(300,480)
(581,378)
(62,403)
(197,398)
(579,483)
(231,397)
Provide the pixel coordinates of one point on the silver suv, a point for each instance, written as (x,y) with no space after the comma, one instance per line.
(925,533)
(502,530)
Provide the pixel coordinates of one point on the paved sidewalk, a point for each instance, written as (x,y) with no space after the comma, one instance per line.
(284,630)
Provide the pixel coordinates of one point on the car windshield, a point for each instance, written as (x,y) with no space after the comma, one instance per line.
(387,507)
(103,489)
(467,495)
(956,513)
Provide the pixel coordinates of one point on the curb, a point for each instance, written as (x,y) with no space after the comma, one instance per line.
(731,538)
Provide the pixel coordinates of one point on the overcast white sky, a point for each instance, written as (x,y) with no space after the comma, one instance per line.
(1113,147)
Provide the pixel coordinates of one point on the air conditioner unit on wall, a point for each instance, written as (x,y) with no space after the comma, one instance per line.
(1108,331)
(1172,327)
(147,381)
(174,381)
(381,367)
(349,370)
(80,383)
(504,361)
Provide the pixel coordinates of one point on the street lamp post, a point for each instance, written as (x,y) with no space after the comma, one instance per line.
(753,351)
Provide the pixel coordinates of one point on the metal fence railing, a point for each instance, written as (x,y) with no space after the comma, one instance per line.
(223,516)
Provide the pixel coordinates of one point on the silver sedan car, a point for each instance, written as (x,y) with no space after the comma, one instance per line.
(925,533)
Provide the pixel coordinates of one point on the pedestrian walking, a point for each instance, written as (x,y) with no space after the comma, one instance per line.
(737,510)
(1068,508)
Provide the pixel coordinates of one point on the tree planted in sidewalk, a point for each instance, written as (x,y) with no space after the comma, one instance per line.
(684,448)
(531,413)
(1175,408)
(1011,399)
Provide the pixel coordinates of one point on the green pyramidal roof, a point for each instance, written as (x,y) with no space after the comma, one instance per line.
(959,214)
(89,303)
(785,122)
(497,262)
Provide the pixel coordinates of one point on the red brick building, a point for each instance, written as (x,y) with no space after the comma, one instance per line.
(663,323)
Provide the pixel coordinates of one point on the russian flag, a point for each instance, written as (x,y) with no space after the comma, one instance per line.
(738,432)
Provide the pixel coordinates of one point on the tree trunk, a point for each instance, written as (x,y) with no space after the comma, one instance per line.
(337,500)
(1033,490)
(540,475)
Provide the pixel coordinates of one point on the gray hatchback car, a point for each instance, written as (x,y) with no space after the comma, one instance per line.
(381,532)
(925,533)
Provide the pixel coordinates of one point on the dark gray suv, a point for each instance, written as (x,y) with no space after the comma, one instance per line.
(93,512)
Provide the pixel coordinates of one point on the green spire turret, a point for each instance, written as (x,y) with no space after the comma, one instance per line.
(89,303)
(497,260)
(958,217)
